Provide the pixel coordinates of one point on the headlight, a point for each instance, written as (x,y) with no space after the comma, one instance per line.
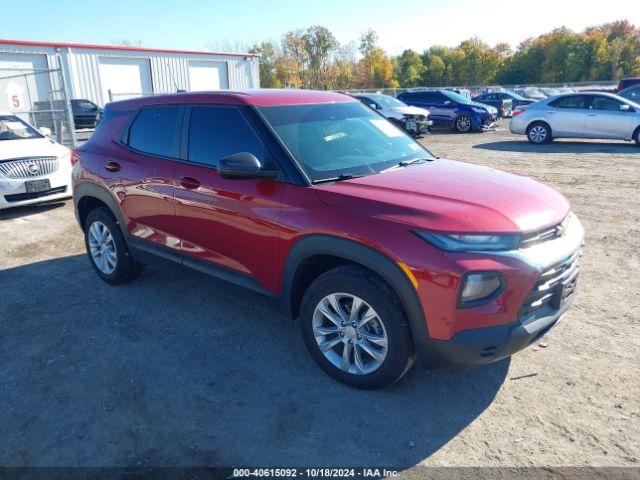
(479,287)
(466,243)
(478,110)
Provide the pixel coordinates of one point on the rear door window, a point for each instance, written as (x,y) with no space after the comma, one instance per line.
(216,132)
(571,101)
(156,131)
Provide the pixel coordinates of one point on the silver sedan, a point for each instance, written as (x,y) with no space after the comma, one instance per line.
(578,115)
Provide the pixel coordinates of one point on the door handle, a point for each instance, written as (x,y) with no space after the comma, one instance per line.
(189,183)
(112,166)
(592,114)
(551,111)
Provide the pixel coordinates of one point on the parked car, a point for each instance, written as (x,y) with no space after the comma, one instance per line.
(579,115)
(500,100)
(382,251)
(414,120)
(530,92)
(452,110)
(33,168)
(516,100)
(86,114)
(632,93)
(622,85)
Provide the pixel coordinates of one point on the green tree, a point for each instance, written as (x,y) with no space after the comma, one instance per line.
(319,43)
(410,69)
(268,64)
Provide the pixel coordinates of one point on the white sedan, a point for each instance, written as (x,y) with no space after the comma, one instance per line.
(33,168)
(578,115)
(414,120)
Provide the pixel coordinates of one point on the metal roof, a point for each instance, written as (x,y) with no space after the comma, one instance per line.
(119,48)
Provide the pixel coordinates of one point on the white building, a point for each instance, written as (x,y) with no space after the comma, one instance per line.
(30,71)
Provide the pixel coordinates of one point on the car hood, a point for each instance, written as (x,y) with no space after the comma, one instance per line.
(31,147)
(449,196)
(409,110)
(489,108)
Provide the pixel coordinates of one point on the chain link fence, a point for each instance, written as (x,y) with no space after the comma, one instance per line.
(40,98)
(540,90)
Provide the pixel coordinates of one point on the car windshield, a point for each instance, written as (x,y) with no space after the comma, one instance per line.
(330,140)
(12,128)
(388,101)
(457,97)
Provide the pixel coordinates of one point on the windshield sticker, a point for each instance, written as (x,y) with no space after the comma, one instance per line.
(387,128)
(335,136)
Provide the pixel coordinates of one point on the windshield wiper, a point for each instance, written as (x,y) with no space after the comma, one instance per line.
(342,176)
(406,163)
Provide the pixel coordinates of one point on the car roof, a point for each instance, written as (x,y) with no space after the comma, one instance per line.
(258,97)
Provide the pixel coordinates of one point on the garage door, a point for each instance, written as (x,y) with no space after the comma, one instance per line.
(205,75)
(124,77)
(17,93)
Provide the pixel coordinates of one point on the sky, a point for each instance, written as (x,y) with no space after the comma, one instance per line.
(201,25)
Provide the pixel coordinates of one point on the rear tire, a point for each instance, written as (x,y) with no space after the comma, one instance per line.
(375,337)
(539,133)
(636,136)
(107,250)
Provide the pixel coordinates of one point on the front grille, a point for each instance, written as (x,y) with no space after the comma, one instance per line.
(28,167)
(19,197)
(556,286)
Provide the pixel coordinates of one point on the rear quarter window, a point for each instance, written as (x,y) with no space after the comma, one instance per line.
(156,131)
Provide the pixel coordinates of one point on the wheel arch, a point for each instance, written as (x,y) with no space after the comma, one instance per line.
(314,254)
(87,196)
(538,120)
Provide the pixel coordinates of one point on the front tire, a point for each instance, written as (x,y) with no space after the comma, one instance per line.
(107,250)
(539,133)
(355,328)
(462,124)
(636,136)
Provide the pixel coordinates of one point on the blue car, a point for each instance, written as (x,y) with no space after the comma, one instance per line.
(452,110)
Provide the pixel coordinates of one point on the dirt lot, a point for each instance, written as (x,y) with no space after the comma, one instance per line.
(177,370)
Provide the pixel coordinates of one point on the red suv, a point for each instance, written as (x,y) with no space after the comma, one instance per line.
(383,251)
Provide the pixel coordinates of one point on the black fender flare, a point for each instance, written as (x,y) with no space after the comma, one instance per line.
(84,190)
(368,257)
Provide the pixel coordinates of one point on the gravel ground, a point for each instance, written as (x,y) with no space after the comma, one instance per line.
(178,370)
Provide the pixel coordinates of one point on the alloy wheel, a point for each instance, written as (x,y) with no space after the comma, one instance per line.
(102,248)
(463,124)
(350,334)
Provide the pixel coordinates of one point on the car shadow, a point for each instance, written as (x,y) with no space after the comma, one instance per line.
(559,146)
(176,369)
(17,212)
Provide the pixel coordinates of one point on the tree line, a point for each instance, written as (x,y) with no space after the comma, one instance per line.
(313,58)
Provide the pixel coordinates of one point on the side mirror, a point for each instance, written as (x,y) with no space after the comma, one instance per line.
(447,102)
(626,108)
(373,105)
(243,165)
(45,131)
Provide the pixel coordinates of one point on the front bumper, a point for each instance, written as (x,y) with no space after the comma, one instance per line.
(489,344)
(13,191)
(489,123)
(541,286)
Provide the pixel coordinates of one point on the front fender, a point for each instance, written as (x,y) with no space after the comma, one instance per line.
(368,257)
